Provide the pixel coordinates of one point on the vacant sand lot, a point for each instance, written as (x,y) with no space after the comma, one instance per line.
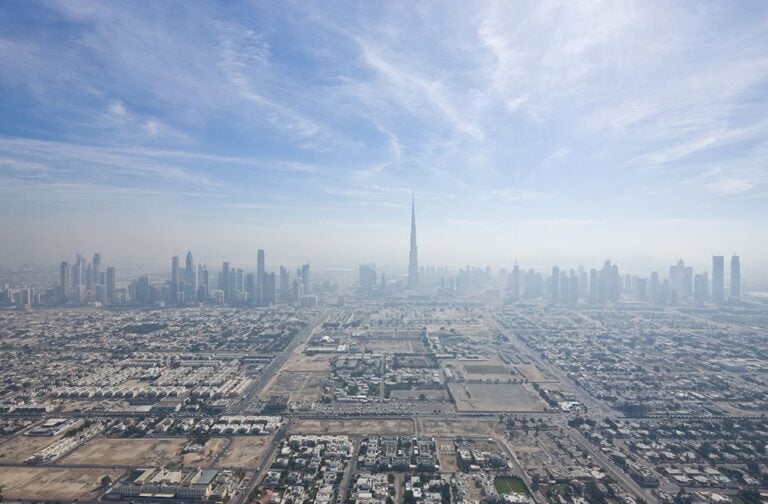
(533,373)
(302,362)
(204,457)
(446,456)
(298,385)
(379,426)
(394,345)
(470,427)
(244,452)
(514,397)
(52,483)
(138,452)
(431,394)
(21,448)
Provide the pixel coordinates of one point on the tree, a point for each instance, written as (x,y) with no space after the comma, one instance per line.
(105,481)
(750,496)
(593,494)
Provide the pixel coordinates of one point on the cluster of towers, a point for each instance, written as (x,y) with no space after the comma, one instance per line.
(86,281)
(607,285)
(192,284)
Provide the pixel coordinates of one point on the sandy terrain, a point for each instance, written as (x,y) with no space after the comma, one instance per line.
(533,373)
(23,447)
(244,452)
(470,427)
(299,386)
(446,456)
(52,483)
(204,457)
(362,426)
(393,345)
(301,362)
(496,397)
(137,452)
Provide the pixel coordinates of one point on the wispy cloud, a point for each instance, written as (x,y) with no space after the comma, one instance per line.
(557,110)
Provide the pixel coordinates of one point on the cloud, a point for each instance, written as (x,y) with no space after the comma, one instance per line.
(490,112)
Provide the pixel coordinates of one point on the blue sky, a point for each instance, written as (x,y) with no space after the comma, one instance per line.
(550,131)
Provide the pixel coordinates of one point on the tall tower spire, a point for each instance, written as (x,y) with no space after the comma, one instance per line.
(413,260)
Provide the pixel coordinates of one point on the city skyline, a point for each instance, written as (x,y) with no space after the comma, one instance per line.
(621,137)
(481,252)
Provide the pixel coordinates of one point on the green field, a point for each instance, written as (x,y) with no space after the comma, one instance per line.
(485,369)
(510,485)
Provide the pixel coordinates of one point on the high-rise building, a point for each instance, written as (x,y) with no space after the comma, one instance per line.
(78,272)
(285,284)
(555,284)
(260,272)
(366,280)
(681,280)
(250,287)
(718,278)
(204,282)
(239,280)
(306,286)
(96,267)
(225,276)
(583,283)
(64,282)
(515,282)
(594,286)
(269,291)
(413,257)
(615,288)
(111,285)
(144,290)
(735,277)
(654,287)
(190,278)
(173,295)
(701,288)
(573,295)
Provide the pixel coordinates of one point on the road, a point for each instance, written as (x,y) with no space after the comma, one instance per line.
(266,377)
(615,472)
(596,408)
(274,366)
(280,435)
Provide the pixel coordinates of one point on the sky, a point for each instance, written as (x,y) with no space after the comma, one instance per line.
(543,131)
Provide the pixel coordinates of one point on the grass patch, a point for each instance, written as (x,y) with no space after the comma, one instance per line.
(510,485)
(485,369)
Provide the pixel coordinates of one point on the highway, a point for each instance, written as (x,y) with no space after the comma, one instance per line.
(274,366)
(264,378)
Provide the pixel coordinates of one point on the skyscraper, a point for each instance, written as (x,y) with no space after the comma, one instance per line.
(190,278)
(515,280)
(111,285)
(96,268)
(735,277)
(306,286)
(413,258)
(260,271)
(225,280)
(718,278)
(366,279)
(64,273)
(285,289)
(701,287)
(78,272)
(173,296)
(268,291)
(555,284)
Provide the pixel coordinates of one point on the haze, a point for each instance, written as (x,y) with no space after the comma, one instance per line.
(548,132)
